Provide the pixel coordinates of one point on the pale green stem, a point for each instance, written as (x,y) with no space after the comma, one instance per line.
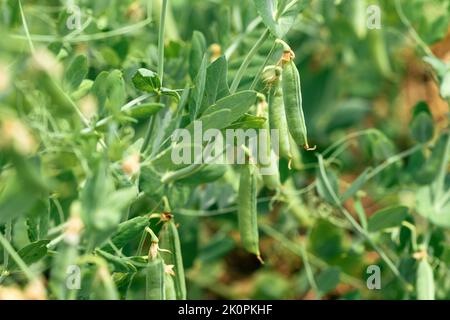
(25,28)
(299,250)
(240,73)
(357,227)
(161,40)
(14,255)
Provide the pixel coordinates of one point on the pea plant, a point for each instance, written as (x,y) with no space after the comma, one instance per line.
(264,149)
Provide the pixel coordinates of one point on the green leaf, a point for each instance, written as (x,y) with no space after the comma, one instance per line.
(197,52)
(220,245)
(99,89)
(347,113)
(422,126)
(33,252)
(325,240)
(150,182)
(16,199)
(146,80)
(387,218)
(328,280)
(199,90)
(216,86)
(425,281)
(238,104)
(433,209)
(76,72)
(126,232)
(286,19)
(355,186)
(425,171)
(248,121)
(116,90)
(178,194)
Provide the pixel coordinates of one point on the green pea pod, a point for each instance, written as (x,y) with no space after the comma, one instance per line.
(126,232)
(278,121)
(271,178)
(380,53)
(247,210)
(268,166)
(170,240)
(359,17)
(292,97)
(170,287)
(155,284)
(425,281)
(62,262)
(296,160)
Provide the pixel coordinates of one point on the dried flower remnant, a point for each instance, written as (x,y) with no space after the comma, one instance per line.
(5,77)
(131,165)
(16,136)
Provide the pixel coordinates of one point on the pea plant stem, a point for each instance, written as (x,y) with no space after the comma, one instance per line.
(15,256)
(124,108)
(251,26)
(25,28)
(248,58)
(297,249)
(85,37)
(411,30)
(312,260)
(8,231)
(148,134)
(261,69)
(161,40)
(182,173)
(391,160)
(357,227)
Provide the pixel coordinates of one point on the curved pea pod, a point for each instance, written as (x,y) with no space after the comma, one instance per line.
(207,174)
(380,53)
(278,121)
(155,280)
(359,17)
(145,110)
(126,232)
(247,210)
(170,240)
(296,160)
(292,97)
(84,88)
